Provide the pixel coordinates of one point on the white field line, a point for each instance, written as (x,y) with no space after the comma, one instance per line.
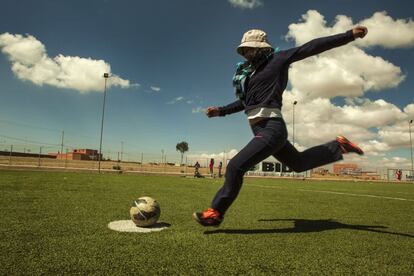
(362,195)
(340,193)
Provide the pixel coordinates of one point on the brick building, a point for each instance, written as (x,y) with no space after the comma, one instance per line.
(79,154)
(346,169)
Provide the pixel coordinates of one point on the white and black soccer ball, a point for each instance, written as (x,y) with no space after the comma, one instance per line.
(145,211)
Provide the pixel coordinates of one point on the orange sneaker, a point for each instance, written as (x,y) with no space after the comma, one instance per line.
(347,146)
(211,217)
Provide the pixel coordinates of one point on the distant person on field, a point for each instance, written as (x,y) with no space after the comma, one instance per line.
(220,167)
(259,83)
(211,167)
(196,169)
(398,175)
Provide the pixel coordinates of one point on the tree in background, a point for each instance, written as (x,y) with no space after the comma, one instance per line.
(182,147)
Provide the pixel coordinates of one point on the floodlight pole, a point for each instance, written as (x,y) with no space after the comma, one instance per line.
(25,142)
(293,123)
(11,152)
(411,145)
(122,149)
(61,145)
(106,76)
(293,126)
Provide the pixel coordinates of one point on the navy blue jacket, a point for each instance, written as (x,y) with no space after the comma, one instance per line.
(266,86)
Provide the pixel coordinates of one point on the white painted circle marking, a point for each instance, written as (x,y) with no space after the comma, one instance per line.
(129,226)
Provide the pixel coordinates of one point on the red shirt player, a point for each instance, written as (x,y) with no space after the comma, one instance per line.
(398,174)
(211,166)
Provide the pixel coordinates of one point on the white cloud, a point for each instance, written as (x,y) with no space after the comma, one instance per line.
(30,62)
(155,88)
(313,25)
(371,114)
(387,32)
(246,4)
(217,156)
(198,109)
(176,100)
(182,99)
(383,30)
(345,71)
(409,109)
(395,162)
(379,127)
(375,146)
(396,136)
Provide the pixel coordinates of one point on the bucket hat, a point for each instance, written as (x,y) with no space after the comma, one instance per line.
(254,39)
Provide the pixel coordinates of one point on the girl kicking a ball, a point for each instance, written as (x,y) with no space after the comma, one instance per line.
(259,83)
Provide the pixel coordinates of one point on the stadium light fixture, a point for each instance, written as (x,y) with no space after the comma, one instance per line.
(105,76)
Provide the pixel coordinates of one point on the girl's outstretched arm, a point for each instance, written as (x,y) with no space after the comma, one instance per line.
(319,45)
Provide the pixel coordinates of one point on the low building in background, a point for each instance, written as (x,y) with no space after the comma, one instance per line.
(320,171)
(79,154)
(354,171)
(346,169)
(370,176)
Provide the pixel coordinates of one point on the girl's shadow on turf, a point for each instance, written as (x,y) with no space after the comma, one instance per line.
(307,226)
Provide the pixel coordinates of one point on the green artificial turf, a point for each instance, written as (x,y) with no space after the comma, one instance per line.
(56,223)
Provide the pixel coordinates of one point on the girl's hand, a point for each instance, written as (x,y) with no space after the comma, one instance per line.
(212,111)
(359,31)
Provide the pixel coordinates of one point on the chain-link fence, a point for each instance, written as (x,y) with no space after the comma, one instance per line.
(30,155)
(58,157)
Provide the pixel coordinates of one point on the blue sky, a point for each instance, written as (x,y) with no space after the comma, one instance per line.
(172,59)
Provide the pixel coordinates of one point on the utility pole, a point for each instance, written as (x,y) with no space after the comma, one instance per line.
(11,152)
(66,158)
(61,145)
(106,76)
(25,144)
(411,145)
(40,153)
(122,149)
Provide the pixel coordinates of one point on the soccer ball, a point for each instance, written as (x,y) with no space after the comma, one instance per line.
(145,211)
